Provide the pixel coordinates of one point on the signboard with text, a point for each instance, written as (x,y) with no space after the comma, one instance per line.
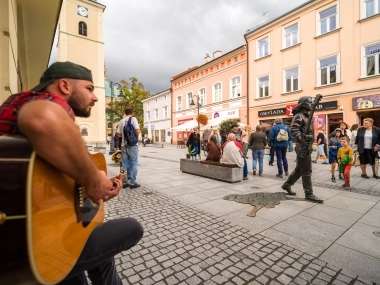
(288,110)
(226,114)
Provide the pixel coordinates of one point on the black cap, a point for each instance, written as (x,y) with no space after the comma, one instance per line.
(65,69)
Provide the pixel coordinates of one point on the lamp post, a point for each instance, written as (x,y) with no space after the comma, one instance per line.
(199,125)
(112,148)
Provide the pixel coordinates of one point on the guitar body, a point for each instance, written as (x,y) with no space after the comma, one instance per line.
(57,221)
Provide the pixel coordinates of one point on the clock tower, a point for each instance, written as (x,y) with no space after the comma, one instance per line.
(80,40)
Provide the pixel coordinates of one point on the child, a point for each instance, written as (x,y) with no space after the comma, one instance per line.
(334,146)
(344,156)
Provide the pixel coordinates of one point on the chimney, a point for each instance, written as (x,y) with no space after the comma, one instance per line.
(217,54)
(207,58)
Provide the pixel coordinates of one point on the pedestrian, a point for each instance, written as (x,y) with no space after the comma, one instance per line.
(279,137)
(109,138)
(368,143)
(206,134)
(235,130)
(194,142)
(233,153)
(244,140)
(217,137)
(271,149)
(334,146)
(257,143)
(321,146)
(129,153)
(345,154)
(345,129)
(303,139)
(66,90)
(354,132)
(214,151)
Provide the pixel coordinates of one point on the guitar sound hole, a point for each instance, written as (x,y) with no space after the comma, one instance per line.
(89,211)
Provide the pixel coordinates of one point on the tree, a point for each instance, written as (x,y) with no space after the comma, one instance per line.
(133,93)
(226,125)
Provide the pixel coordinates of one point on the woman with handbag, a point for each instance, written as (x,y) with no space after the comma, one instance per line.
(368,142)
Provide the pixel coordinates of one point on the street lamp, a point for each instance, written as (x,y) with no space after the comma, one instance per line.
(198,104)
(112,148)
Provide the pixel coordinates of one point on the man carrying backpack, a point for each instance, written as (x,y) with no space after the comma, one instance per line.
(279,138)
(129,130)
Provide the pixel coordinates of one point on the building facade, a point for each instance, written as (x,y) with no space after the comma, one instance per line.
(157,116)
(219,86)
(80,40)
(322,47)
(27,34)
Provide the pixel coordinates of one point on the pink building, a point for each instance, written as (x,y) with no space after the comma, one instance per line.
(220,85)
(323,46)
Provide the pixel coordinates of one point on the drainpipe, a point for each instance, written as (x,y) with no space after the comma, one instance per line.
(246,48)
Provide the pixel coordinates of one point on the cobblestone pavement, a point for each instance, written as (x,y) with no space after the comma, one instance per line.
(183,245)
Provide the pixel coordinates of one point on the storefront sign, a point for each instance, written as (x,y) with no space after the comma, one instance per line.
(273,112)
(227,114)
(289,109)
(366,102)
(327,106)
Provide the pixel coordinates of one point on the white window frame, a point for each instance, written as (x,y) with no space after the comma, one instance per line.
(363,8)
(235,88)
(178,103)
(202,96)
(148,116)
(189,98)
(216,92)
(318,19)
(155,114)
(258,47)
(165,109)
(292,80)
(260,85)
(292,35)
(328,67)
(364,60)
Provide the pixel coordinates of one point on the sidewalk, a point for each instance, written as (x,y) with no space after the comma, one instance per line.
(192,236)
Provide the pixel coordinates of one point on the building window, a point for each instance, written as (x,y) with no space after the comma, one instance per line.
(371,7)
(236,59)
(109,125)
(372,60)
(156,102)
(291,35)
(148,116)
(263,86)
(156,114)
(202,96)
(84,132)
(165,112)
(328,71)
(291,79)
(218,92)
(82,28)
(189,98)
(179,103)
(328,20)
(235,87)
(263,47)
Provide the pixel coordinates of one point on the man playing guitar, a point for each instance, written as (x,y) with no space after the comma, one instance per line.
(45,116)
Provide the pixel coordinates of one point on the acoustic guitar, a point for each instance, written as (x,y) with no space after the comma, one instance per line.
(45,216)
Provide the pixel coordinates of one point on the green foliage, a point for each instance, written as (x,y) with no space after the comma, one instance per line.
(190,150)
(133,93)
(226,125)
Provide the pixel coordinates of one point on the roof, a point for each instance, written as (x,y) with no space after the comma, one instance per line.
(258,27)
(183,73)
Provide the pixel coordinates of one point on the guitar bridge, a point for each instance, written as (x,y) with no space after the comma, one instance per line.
(79,201)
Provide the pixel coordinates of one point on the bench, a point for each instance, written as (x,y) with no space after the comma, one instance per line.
(159,145)
(214,170)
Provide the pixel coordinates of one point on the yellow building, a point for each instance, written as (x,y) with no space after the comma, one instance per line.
(323,46)
(27,33)
(80,40)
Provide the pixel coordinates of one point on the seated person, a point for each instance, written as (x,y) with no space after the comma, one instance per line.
(146,141)
(213,149)
(233,154)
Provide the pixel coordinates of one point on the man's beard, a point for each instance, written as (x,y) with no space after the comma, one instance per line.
(77,103)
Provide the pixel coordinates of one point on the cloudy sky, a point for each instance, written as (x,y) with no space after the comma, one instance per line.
(154,40)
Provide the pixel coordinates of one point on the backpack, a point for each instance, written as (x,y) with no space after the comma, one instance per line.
(282,135)
(130,136)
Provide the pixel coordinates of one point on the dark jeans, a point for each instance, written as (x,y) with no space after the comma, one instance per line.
(281,158)
(271,154)
(97,257)
(303,168)
(245,168)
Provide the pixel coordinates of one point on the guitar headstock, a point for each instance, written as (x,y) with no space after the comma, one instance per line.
(317,99)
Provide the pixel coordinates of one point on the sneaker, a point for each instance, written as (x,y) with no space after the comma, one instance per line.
(245,178)
(279,175)
(254,172)
(365,176)
(134,186)
(286,173)
(314,161)
(376,177)
(125,184)
(271,164)
(341,176)
(325,162)
(260,174)
(333,179)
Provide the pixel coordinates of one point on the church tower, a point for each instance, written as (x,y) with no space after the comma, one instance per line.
(80,40)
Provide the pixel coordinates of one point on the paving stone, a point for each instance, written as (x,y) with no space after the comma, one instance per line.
(134,279)
(270,273)
(300,281)
(246,276)
(317,281)
(147,281)
(344,278)
(188,272)
(291,272)
(311,271)
(255,270)
(324,276)
(145,273)
(180,276)
(213,270)
(194,280)
(238,281)
(219,279)
(204,275)
(306,276)
(283,279)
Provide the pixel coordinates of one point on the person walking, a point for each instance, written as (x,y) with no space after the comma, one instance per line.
(194,141)
(129,153)
(345,154)
(244,140)
(271,149)
(320,147)
(334,146)
(279,137)
(257,143)
(368,142)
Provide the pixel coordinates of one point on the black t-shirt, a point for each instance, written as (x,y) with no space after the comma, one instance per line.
(322,137)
